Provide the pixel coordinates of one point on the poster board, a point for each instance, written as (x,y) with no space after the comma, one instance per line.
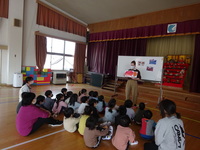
(151,68)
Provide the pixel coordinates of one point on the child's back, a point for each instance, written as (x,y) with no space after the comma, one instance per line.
(139,113)
(148,125)
(123,134)
(48,103)
(129,111)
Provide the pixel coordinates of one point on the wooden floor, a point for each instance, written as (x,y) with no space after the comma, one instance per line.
(56,138)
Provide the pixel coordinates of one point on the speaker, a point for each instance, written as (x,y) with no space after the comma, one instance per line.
(17,22)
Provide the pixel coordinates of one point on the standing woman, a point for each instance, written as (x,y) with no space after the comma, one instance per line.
(26,87)
(132,84)
(169,133)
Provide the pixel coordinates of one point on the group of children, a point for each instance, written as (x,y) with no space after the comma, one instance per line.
(83,113)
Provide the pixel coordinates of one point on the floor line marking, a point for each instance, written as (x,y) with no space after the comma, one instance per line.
(192,136)
(19,144)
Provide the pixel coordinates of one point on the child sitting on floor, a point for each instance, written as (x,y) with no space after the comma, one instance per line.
(59,105)
(49,102)
(129,110)
(64,92)
(92,135)
(69,94)
(82,93)
(110,112)
(124,135)
(40,101)
(121,113)
(84,103)
(73,102)
(139,113)
(86,114)
(70,120)
(101,104)
(148,126)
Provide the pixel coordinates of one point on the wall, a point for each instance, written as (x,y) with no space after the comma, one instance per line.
(30,27)
(191,12)
(21,40)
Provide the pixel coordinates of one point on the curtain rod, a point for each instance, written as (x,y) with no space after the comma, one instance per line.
(52,36)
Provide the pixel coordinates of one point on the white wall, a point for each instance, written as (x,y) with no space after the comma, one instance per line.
(30,26)
(14,38)
(4,53)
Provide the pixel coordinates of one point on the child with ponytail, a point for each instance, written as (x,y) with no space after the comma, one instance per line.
(59,105)
(110,112)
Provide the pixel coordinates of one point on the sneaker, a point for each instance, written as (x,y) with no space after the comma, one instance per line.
(57,123)
(111,130)
(134,143)
(107,137)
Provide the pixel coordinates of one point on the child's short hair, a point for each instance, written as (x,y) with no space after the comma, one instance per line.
(28,79)
(63,90)
(92,102)
(141,106)
(128,103)
(69,93)
(91,93)
(148,114)
(122,110)
(84,99)
(82,91)
(39,99)
(87,110)
(91,123)
(68,112)
(124,121)
(47,93)
(59,96)
(27,99)
(95,94)
(101,98)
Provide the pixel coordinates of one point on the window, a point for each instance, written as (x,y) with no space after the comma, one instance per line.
(60,54)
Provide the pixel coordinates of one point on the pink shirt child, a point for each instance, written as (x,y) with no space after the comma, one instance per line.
(58,109)
(122,136)
(26,118)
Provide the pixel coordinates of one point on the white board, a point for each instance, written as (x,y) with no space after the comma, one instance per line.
(150,67)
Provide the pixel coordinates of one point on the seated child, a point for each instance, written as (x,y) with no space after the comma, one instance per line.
(30,118)
(20,103)
(84,103)
(64,92)
(110,112)
(48,101)
(148,126)
(129,110)
(92,103)
(70,120)
(121,113)
(69,94)
(59,105)
(101,104)
(92,135)
(40,101)
(139,113)
(82,93)
(124,134)
(86,114)
(90,94)
(73,102)
(95,95)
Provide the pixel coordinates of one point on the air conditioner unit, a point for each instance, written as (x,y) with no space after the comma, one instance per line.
(59,77)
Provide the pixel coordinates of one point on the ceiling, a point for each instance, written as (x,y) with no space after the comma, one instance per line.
(93,11)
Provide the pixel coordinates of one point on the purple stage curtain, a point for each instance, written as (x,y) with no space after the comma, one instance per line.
(195,80)
(103,56)
(186,27)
